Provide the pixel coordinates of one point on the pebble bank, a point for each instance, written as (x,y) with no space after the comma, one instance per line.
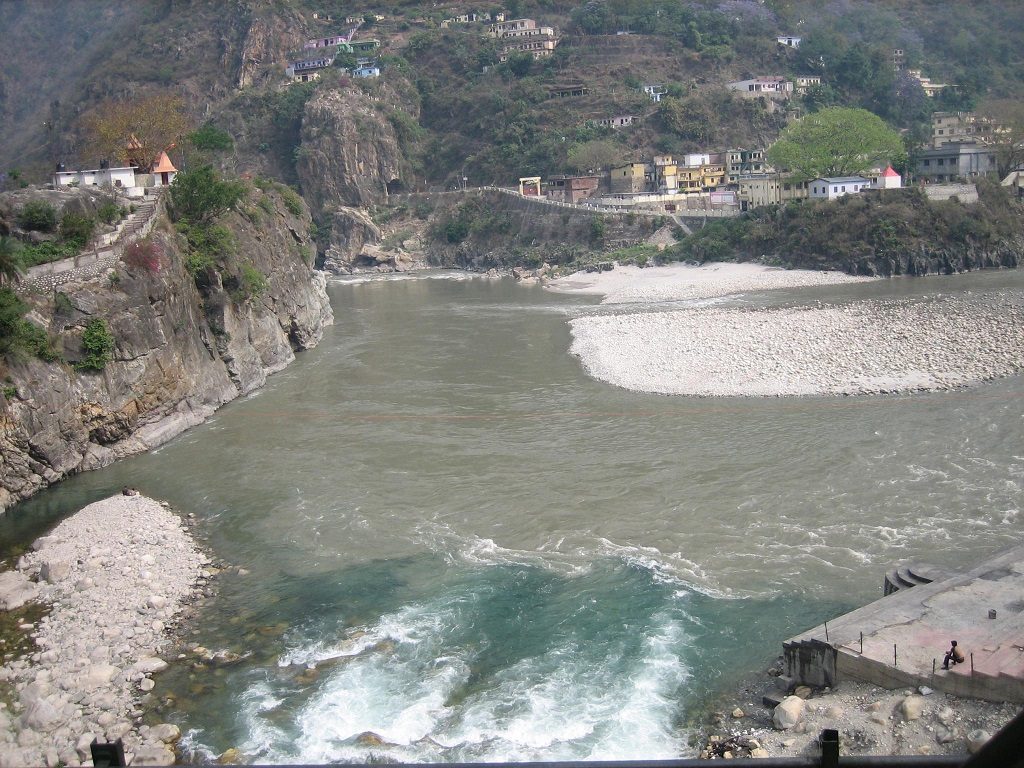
(870,346)
(115,576)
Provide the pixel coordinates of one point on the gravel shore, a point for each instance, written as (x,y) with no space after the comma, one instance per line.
(870,721)
(114,575)
(868,347)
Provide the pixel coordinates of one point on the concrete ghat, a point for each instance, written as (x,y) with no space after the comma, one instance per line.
(907,632)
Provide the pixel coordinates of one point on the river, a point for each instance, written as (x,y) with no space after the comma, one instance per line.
(453,539)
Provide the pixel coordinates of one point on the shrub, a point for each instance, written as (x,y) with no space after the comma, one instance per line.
(251,283)
(18,335)
(76,229)
(292,201)
(200,196)
(38,216)
(197,264)
(143,254)
(266,204)
(44,253)
(109,212)
(210,138)
(97,344)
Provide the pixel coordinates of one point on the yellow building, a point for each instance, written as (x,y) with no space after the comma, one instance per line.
(629,179)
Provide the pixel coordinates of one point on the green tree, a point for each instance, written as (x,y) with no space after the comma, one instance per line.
(594,155)
(98,345)
(200,195)
(37,216)
(838,141)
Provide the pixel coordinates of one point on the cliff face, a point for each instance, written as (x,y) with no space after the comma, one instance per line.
(350,158)
(349,151)
(178,354)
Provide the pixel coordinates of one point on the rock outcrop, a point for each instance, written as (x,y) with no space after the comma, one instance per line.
(178,354)
(351,158)
(350,153)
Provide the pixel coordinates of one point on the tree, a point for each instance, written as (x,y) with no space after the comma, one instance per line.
(594,155)
(1005,118)
(838,141)
(200,195)
(135,132)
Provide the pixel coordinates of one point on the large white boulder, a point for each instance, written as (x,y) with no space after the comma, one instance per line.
(788,713)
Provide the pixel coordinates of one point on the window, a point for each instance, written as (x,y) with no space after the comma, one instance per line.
(926,163)
(940,161)
(844,187)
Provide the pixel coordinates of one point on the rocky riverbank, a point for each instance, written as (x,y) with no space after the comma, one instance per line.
(870,721)
(115,576)
(865,347)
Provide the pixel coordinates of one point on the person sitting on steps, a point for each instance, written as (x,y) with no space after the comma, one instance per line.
(954,654)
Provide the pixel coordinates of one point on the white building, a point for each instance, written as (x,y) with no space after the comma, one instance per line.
(831,187)
(789,41)
(773,87)
(122,179)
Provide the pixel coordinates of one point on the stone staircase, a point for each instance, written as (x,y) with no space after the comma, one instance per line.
(104,253)
(913,574)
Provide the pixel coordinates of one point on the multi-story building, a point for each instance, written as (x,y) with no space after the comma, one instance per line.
(666,174)
(769,189)
(631,179)
(571,189)
(773,87)
(743,162)
(959,160)
(958,127)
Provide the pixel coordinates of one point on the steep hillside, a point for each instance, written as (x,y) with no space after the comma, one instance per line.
(184,339)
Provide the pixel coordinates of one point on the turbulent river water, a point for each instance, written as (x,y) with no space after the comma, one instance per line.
(453,539)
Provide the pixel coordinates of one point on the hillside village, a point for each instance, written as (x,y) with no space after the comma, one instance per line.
(721,181)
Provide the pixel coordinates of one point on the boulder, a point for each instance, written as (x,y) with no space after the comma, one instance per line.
(149,665)
(912,707)
(738,713)
(788,713)
(97,676)
(16,590)
(53,571)
(155,755)
(165,732)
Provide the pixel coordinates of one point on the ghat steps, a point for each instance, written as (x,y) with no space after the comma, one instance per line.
(900,639)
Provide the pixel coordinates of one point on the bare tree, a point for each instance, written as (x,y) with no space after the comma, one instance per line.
(135,132)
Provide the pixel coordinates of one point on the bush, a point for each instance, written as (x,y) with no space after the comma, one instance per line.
(76,229)
(109,212)
(251,283)
(97,344)
(37,216)
(210,138)
(18,335)
(200,196)
(143,254)
(292,201)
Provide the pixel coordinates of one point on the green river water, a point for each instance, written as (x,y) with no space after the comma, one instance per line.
(455,539)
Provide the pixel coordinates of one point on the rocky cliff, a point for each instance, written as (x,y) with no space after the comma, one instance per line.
(178,353)
(350,159)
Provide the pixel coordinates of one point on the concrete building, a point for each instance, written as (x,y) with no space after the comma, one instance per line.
(743,162)
(790,41)
(163,171)
(959,127)
(571,189)
(630,179)
(760,189)
(950,162)
(832,187)
(774,87)
(666,174)
(619,121)
(887,179)
(99,177)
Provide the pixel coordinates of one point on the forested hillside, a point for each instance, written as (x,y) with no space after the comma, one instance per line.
(477,117)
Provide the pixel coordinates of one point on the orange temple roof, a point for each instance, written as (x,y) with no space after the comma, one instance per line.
(164,165)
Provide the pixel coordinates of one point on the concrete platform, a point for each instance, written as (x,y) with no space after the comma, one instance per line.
(906,635)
